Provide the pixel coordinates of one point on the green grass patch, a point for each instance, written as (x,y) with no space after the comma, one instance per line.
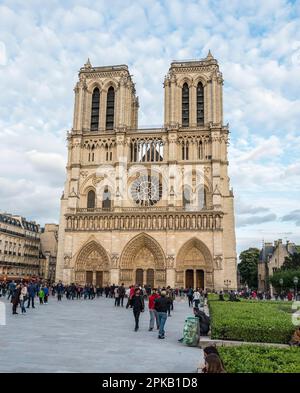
(260,359)
(253,321)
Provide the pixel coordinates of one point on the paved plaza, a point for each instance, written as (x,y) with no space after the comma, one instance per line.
(92,336)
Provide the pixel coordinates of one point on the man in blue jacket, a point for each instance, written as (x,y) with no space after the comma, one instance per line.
(31,290)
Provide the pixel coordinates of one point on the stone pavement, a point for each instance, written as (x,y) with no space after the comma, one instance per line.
(92,336)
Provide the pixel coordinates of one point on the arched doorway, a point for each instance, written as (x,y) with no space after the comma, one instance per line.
(92,265)
(194,266)
(143,262)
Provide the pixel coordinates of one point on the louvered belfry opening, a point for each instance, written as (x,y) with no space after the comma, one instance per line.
(110,108)
(185,105)
(95,110)
(200,104)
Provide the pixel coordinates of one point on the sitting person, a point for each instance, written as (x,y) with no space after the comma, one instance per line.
(221,296)
(213,364)
(295,341)
(207,351)
(204,321)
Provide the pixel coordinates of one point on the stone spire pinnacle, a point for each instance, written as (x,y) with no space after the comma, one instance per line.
(209,55)
(88,64)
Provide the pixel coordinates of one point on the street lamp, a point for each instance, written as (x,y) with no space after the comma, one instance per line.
(295,280)
(227,283)
(281,283)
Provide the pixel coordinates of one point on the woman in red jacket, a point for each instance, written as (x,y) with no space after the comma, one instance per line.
(152,311)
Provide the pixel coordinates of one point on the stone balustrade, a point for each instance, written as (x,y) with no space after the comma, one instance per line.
(150,221)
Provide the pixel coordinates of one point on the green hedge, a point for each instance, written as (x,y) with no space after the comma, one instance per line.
(260,359)
(253,321)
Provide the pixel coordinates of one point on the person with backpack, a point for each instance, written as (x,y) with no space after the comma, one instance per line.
(161,305)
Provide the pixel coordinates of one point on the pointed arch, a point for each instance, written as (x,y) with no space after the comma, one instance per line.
(135,245)
(202,253)
(92,256)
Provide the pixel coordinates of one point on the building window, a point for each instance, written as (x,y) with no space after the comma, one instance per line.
(95,110)
(185,151)
(106,201)
(200,150)
(185,105)
(92,154)
(186,197)
(200,104)
(110,108)
(91,199)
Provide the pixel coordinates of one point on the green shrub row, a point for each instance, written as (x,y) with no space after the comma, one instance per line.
(260,359)
(253,321)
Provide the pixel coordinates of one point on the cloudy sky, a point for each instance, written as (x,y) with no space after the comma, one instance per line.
(257,43)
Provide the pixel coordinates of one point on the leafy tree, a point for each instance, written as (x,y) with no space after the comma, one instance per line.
(291,262)
(287,276)
(248,267)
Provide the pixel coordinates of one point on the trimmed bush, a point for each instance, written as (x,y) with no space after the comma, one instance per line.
(260,359)
(253,321)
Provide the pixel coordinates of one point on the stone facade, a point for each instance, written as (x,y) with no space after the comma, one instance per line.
(48,254)
(271,258)
(19,247)
(148,205)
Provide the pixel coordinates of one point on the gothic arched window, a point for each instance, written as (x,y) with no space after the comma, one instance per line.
(200,104)
(106,201)
(95,109)
(186,197)
(91,199)
(185,105)
(110,108)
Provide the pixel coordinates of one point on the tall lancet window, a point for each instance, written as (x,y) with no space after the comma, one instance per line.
(185,105)
(200,104)
(110,108)
(91,199)
(95,110)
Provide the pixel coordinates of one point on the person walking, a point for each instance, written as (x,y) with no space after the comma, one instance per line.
(161,306)
(11,288)
(23,297)
(190,293)
(196,298)
(31,289)
(46,294)
(41,295)
(152,311)
(138,306)
(60,291)
(121,290)
(117,296)
(15,298)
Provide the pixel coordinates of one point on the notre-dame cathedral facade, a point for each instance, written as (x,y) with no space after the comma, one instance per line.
(148,205)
